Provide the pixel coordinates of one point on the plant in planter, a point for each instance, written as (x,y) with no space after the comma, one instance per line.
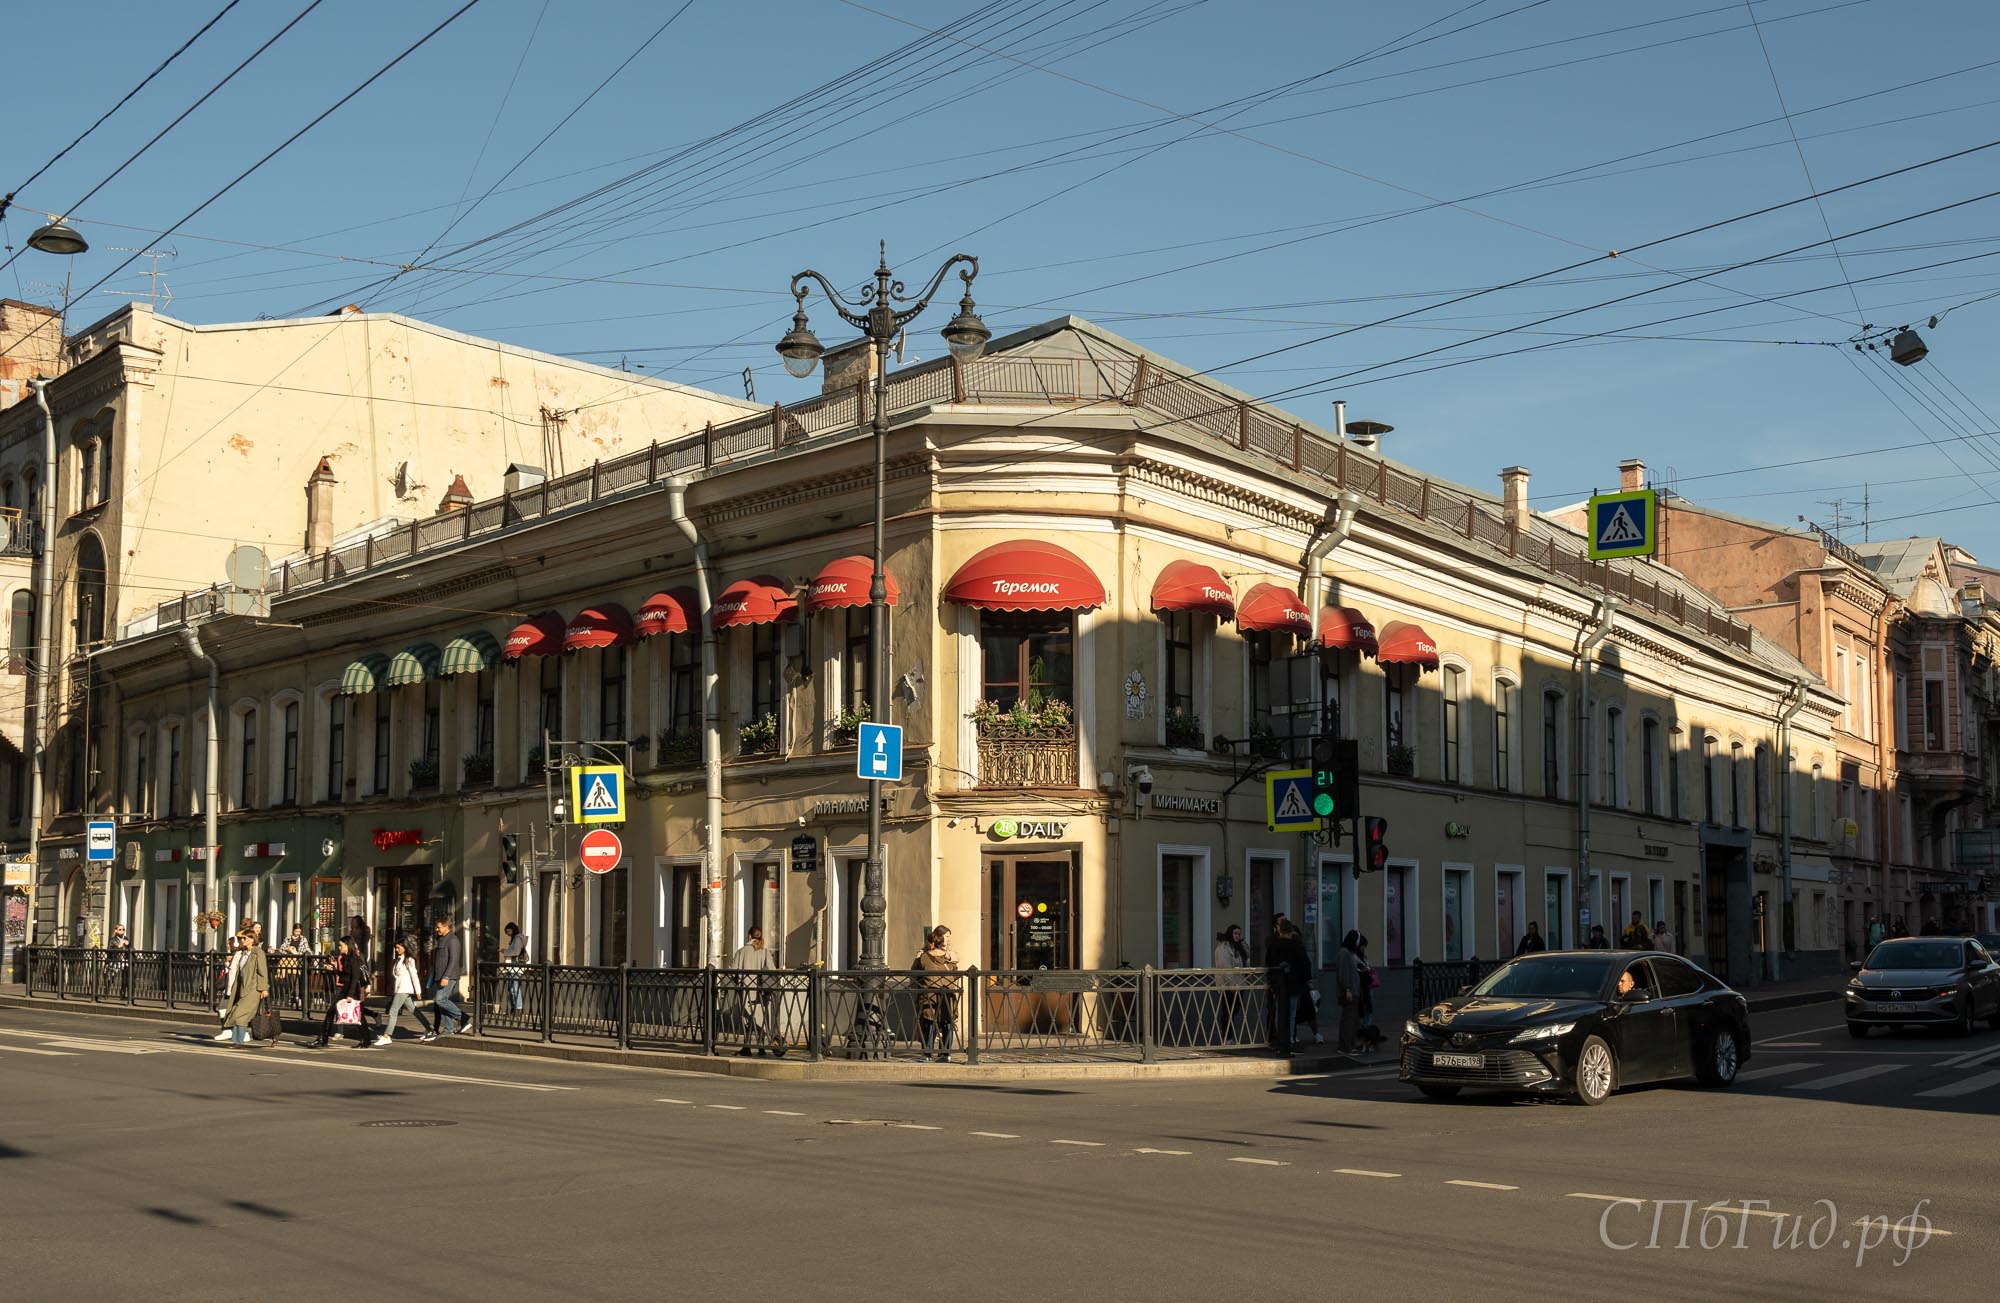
(676,748)
(848,727)
(479,768)
(1401,759)
(423,773)
(1031,716)
(1183,729)
(758,736)
(1264,743)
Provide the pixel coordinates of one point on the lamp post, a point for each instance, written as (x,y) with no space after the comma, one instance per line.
(879,319)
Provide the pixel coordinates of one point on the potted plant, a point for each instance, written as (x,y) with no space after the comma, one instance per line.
(848,727)
(1402,760)
(1184,729)
(423,772)
(676,748)
(758,736)
(479,768)
(1264,743)
(1031,716)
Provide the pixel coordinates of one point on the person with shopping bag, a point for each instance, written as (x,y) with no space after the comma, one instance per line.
(350,988)
(249,986)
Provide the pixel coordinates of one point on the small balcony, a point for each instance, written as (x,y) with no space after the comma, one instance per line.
(1012,757)
(18,534)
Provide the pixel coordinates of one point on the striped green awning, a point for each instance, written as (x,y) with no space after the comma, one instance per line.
(363,674)
(469,653)
(416,663)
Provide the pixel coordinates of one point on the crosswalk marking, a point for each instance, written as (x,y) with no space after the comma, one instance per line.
(54,1054)
(1775,1070)
(1845,1078)
(1966,1086)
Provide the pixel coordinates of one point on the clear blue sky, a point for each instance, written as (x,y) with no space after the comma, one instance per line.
(1240,226)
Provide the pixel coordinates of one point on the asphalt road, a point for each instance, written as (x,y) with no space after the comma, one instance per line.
(143,1163)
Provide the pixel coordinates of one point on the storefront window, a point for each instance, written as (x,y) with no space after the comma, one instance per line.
(1177,943)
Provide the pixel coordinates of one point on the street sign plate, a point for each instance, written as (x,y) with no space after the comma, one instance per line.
(805,853)
(101,840)
(600,850)
(1288,800)
(1623,524)
(597,794)
(880,755)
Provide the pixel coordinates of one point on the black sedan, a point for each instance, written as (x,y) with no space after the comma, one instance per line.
(1910,981)
(1580,1023)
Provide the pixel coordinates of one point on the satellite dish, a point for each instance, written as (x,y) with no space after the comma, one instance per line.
(6,532)
(246,570)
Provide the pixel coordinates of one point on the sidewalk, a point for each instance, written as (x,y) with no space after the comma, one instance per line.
(992,1066)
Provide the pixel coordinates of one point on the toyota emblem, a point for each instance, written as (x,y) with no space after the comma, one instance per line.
(1895,995)
(1461,1038)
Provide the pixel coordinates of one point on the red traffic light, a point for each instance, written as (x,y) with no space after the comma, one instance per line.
(1375,844)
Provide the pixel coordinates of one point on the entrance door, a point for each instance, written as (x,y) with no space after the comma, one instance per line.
(486,918)
(402,913)
(1262,872)
(548,947)
(1030,914)
(1507,927)
(1715,889)
(128,909)
(683,918)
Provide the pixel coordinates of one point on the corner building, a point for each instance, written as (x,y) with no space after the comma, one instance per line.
(1099,644)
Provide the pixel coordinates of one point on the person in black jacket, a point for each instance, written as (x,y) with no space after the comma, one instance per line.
(1532,943)
(350,982)
(1293,987)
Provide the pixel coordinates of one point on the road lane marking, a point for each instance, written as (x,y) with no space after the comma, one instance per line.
(1362,1171)
(1883,1223)
(673,1101)
(1775,1070)
(1747,1212)
(1606,1198)
(1790,1045)
(783,1113)
(1081,1144)
(53,1054)
(239,1057)
(1803,1031)
(1845,1078)
(1964,1087)
(102,1047)
(1260,1162)
(915,1126)
(1171,1153)
(997,1135)
(1482,1185)
(1972,1058)
(728,1108)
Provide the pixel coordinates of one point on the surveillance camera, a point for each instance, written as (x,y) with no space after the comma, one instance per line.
(802,821)
(1143,776)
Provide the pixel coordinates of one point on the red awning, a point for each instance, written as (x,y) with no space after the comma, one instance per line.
(1407,644)
(845,583)
(752,601)
(1268,608)
(603,625)
(1190,586)
(1025,575)
(673,611)
(1346,629)
(540,636)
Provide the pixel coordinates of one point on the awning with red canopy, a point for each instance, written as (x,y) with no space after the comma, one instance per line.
(605,624)
(541,635)
(762,600)
(673,611)
(1267,608)
(1346,629)
(845,582)
(1026,574)
(1191,586)
(1407,644)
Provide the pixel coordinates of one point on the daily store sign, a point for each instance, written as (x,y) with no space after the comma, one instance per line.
(1036,830)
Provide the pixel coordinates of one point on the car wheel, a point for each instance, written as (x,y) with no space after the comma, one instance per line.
(1595,1072)
(1963,1027)
(1437,1090)
(1719,1066)
(1858,1030)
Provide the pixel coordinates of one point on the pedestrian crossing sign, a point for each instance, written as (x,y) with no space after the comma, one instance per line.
(597,794)
(1288,800)
(1623,524)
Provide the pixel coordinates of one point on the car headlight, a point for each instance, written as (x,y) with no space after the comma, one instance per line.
(1412,1028)
(1854,984)
(1547,1033)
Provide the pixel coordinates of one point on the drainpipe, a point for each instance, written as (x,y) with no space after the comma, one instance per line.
(1602,616)
(1788,708)
(711,720)
(44,648)
(192,641)
(1339,522)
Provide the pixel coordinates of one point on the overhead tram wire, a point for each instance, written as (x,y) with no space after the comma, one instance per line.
(1918,425)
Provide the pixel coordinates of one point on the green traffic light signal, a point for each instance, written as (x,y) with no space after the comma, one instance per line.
(1323,804)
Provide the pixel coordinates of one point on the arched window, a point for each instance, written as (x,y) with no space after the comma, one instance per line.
(89,572)
(1813,797)
(1759,779)
(86,465)
(1452,721)
(1736,784)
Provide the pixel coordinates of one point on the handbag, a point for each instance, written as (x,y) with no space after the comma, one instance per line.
(347,1013)
(464,986)
(265,1024)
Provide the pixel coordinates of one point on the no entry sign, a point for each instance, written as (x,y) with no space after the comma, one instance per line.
(601,850)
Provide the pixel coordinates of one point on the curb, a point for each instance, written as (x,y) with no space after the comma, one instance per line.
(751,1068)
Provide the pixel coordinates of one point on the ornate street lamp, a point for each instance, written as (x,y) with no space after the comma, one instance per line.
(878,317)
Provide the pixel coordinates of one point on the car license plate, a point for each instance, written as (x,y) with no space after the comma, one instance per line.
(1458,1060)
(1896,1008)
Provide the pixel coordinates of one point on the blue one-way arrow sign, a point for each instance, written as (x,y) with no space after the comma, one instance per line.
(880,757)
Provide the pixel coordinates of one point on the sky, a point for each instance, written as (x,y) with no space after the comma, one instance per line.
(1253,189)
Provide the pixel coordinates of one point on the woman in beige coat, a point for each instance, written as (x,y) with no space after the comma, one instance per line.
(250,986)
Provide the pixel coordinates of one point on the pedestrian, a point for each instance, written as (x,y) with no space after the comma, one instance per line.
(233,957)
(1365,1033)
(1531,941)
(350,982)
(1635,936)
(1279,998)
(1292,982)
(359,937)
(447,966)
(1230,952)
(1597,940)
(405,989)
(512,955)
(751,961)
(937,998)
(1876,930)
(1663,937)
(1348,986)
(249,985)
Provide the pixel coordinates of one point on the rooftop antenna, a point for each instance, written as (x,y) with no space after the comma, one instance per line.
(749,385)
(1839,519)
(160,294)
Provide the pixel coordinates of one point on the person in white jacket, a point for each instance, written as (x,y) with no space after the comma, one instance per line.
(406,987)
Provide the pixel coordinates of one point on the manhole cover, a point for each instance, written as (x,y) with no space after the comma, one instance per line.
(412,1122)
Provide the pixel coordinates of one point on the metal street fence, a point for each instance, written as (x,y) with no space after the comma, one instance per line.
(1440,981)
(1087,1014)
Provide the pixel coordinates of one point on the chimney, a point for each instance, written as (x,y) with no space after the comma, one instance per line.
(1972,599)
(1631,475)
(456,498)
(1514,497)
(1367,434)
(845,365)
(319,508)
(520,477)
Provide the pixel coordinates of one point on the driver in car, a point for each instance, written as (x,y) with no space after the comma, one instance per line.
(1629,987)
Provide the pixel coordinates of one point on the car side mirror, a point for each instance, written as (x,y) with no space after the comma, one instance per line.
(1854,967)
(1465,990)
(1637,995)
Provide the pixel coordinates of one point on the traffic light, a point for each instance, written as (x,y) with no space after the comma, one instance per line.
(510,856)
(1375,843)
(1336,777)
(1324,778)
